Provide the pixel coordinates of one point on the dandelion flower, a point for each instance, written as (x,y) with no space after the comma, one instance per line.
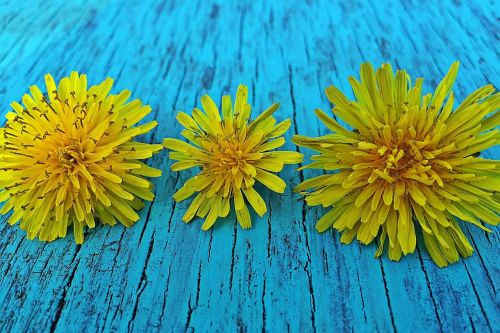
(409,162)
(232,154)
(68,158)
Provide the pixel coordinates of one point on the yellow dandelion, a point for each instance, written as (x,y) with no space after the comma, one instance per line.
(232,154)
(68,158)
(409,162)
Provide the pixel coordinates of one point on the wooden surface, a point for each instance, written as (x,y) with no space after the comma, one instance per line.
(163,275)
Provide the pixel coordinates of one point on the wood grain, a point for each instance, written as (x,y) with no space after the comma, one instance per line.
(163,275)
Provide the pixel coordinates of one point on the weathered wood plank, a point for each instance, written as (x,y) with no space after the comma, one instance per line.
(280,275)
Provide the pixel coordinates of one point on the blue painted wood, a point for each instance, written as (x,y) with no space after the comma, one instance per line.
(163,275)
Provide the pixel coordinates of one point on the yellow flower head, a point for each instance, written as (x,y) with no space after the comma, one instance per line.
(231,153)
(409,161)
(68,157)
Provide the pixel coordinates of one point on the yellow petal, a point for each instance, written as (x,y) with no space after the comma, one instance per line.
(213,214)
(243,216)
(239,202)
(255,200)
(388,193)
(271,181)
(210,108)
(365,194)
(193,207)
(416,194)
(287,157)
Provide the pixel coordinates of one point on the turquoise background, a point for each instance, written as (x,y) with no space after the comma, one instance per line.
(163,275)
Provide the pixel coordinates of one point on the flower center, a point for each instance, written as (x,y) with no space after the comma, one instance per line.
(69,156)
(403,161)
(230,155)
(231,158)
(398,159)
